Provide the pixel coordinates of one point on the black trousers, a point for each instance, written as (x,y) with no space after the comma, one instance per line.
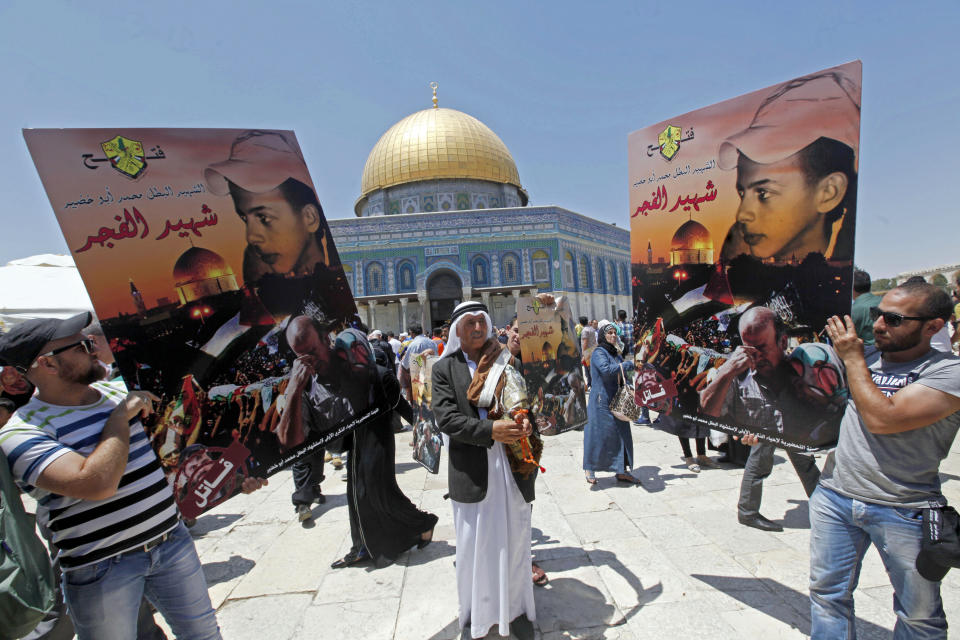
(701,447)
(307,476)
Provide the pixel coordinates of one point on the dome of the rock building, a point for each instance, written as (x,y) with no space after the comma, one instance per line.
(437,144)
(200,272)
(691,244)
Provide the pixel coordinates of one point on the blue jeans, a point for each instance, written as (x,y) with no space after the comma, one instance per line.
(103,598)
(841,530)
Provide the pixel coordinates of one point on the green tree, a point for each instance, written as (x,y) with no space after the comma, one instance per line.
(882,284)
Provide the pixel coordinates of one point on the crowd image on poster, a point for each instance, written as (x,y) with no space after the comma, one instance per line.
(550,353)
(211,267)
(426,435)
(742,219)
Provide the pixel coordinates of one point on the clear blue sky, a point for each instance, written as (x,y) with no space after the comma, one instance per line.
(562,83)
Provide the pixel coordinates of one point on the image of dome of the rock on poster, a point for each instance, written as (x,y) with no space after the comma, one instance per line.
(213,273)
(742,219)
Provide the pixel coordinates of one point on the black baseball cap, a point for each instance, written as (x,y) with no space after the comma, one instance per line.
(940,548)
(21,345)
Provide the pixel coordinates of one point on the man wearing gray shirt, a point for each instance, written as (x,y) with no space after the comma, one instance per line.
(900,421)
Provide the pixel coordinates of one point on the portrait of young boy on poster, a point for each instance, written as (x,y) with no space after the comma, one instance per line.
(211,267)
(742,231)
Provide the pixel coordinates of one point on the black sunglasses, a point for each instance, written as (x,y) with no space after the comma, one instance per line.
(86,343)
(893,319)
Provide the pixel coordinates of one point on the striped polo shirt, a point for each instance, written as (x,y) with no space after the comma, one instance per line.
(87,531)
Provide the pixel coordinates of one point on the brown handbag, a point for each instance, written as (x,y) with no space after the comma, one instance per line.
(623,406)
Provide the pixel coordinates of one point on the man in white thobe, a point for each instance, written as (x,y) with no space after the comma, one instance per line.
(490,502)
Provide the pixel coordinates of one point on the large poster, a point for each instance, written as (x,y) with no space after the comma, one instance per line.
(550,353)
(742,222)
(210,264)
(427,443)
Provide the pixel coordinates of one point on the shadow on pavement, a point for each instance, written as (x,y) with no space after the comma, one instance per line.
(742,589)
(216,572)
(207,523)
(452,630)
(798,517)
(433,551)
(403,467)
(567,603)
(653,481)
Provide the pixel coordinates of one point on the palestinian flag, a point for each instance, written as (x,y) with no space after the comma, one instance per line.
(185,416)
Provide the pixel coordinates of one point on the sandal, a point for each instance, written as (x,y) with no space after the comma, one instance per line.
(425,541)
(591,479)
(626,477)
(706,462)
(539,575)
(692,465)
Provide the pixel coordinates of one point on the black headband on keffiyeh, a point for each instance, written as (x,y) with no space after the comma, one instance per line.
(467,307)
(463,309)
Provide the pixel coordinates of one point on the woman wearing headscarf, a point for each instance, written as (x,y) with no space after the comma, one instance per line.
(383,521)
(607,442)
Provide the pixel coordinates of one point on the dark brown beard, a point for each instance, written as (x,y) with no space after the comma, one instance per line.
(903,343)
(92,374)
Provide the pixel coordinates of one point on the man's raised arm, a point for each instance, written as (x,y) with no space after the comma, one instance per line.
(97,476)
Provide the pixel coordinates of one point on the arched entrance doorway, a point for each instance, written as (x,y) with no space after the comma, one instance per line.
(445,292)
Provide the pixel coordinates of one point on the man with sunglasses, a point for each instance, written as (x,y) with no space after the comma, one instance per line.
(79,448)
(902,417)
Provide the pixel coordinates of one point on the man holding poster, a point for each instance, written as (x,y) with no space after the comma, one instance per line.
(881,486)
(79,448)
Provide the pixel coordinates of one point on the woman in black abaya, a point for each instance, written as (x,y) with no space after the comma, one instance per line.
(383,521)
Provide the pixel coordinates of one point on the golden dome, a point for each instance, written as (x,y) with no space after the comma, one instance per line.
(438,143)
(198,263)
(692,235)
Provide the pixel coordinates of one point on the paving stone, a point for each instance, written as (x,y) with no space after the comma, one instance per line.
(622,632)
(688,618)
(429,602)
(366,619)
(275,617)
(636,573)
(295,563)
(602,525)
(670,531)
(235,556)
(361,582)
(776,622)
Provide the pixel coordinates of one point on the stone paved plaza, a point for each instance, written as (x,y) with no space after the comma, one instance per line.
(663,560)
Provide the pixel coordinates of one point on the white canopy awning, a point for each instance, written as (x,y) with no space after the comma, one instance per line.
(43,286)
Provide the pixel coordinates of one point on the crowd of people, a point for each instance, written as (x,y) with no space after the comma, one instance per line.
(899,415)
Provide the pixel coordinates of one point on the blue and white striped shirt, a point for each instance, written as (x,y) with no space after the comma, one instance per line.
(87,531)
